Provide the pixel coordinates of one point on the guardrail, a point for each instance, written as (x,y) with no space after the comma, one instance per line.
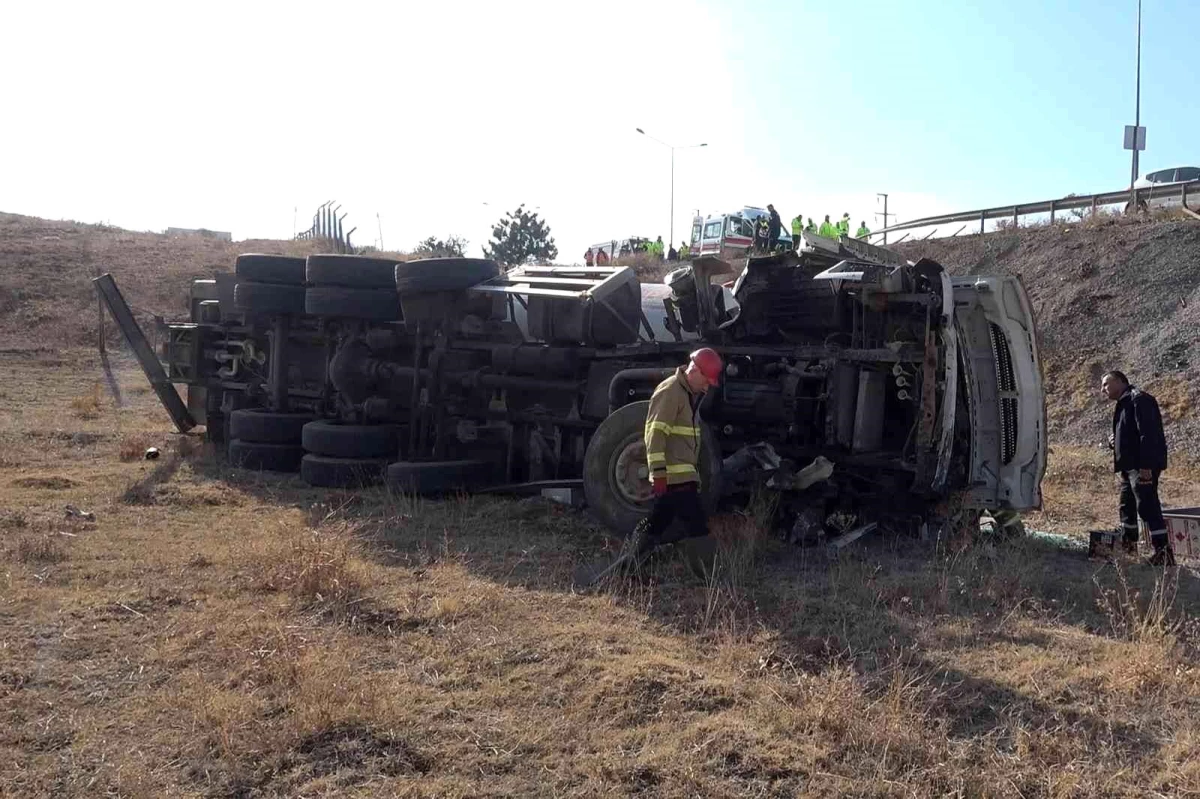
(328,225)
(1070,203)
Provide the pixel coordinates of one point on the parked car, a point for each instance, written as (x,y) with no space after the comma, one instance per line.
(446,374)
(1161,189)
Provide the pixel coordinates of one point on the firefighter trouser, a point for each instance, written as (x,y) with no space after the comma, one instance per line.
(682,502)
(1141,499)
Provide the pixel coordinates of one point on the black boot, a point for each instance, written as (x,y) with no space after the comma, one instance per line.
(1163,554)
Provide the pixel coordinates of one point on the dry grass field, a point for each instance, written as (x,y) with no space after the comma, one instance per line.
(217,632)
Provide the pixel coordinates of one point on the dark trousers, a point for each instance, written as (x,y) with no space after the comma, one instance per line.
(1141,499)
(772,242)
(681,502)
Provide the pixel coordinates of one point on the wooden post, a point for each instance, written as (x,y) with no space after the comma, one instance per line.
(982,220)
(1093,205)
(1052,212)
(1015,217)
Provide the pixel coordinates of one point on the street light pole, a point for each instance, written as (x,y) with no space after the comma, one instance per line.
(672,148)
(1137,107)
(1137,119)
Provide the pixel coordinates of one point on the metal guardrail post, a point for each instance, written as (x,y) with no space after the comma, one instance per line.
(1052,212)
(982,220)
(1016,216)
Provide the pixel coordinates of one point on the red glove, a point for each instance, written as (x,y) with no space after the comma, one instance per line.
(659,485)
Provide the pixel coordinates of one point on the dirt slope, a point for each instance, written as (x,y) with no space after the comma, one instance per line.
(46,267)
(1112,293)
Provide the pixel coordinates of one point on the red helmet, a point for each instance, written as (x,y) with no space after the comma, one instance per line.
(709,363)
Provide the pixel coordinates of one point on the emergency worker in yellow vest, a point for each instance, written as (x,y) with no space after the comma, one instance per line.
(672,437)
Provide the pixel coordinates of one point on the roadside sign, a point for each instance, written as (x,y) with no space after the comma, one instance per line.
(1141,137)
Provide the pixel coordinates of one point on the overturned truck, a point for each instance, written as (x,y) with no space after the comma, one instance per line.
(908,386)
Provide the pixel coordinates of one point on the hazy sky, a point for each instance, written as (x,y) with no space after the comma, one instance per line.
(439,116)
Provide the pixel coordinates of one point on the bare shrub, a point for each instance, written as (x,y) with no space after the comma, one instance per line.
(133,446)
(87,406)
(1149,620)
(13,520)
(318,569)
(730,574)
(39,549)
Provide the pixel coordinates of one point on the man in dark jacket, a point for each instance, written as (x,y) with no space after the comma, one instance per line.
(774,228)
(1139,457)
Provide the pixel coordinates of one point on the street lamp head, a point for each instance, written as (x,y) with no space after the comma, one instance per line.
(639,130)
(704,145)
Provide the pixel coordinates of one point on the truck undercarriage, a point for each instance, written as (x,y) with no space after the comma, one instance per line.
(899,384)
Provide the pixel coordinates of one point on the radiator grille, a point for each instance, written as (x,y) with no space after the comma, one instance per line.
(1006,383)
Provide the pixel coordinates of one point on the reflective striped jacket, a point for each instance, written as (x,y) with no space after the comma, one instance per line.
(673,431)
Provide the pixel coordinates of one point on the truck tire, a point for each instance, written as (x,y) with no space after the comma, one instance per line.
(261,426)
(438,477)
(281,269)
(338,440)
(265,457)
(376,305)
(351,271)
(327,472)
(616,478)
(443,274)
(268,298)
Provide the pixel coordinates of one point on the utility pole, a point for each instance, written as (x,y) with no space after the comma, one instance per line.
(379,222)
(885,214)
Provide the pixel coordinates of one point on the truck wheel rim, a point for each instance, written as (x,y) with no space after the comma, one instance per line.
(630,476)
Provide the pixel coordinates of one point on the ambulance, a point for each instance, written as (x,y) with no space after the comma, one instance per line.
(731,235)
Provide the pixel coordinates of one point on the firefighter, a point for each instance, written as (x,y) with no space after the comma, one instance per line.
(828,229)
(672,254)
(672,435)
(843,225)
(656,248)
(862,231)
(797,229)
(685,252)
(811,227)
(589,258)
(1139,457)
(602,257)
(761,234)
